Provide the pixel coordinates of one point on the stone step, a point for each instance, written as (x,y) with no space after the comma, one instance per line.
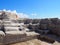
(6,22)
(11,28)
(11,25)
(14,32)
(18,36)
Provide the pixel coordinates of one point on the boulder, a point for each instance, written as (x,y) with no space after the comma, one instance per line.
(33,27)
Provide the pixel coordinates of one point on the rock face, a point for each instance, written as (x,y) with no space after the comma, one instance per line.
(52,24)
(49,29)
(8,15)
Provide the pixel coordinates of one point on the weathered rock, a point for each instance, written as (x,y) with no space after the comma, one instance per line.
(54,20)
(44,21)
(13,36)
(11,28)
(27,21)
(56,30)
(35,21)
(43,26)
(29,42)
(2,35)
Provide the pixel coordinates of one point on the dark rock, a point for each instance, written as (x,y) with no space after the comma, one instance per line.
(35,21)
(27,21)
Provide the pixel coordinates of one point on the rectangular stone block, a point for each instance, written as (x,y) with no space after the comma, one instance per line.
(11,28)
(14,36)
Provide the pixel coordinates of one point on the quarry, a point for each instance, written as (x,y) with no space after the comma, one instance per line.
(14,31)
